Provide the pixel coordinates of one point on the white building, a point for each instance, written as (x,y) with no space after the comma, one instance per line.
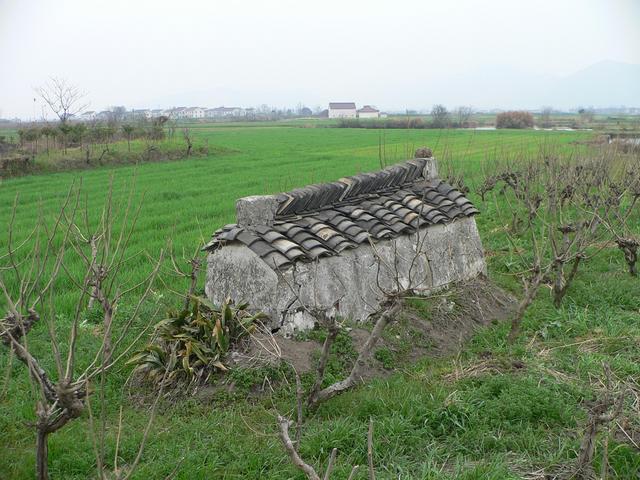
(177,113)
(368,112)
(194,112)
(141,113)
(342,110)
(87,116)
(222,112)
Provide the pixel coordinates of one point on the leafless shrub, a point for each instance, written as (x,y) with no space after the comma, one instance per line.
(388,311)
(440,117)
(30,274)
(514,119)
(619,218)
(629,247)
(586,114)
(545,116)
(463,116)
(558,207)
(603,412)
(284,424)
(186,134)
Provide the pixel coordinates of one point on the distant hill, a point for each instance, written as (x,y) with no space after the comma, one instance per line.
(603,84)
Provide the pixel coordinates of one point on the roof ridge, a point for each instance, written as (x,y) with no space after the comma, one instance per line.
(316,196)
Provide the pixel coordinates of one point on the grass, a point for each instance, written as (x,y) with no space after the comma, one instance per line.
(496,425)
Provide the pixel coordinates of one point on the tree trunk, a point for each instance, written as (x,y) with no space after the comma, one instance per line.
(631,256)
(108,317)
(355,376)
(585,456)
(42,454)
(529,295)
(94,257)
(561,284)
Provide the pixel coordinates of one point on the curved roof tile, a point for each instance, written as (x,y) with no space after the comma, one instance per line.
(322,220)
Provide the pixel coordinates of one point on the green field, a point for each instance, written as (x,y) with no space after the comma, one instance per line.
(498,425)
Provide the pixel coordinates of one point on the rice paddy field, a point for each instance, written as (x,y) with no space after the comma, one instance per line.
(502,423)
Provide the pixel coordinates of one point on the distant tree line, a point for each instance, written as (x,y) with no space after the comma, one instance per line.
(47,137)
(514,119)
(89,142)
(440,117)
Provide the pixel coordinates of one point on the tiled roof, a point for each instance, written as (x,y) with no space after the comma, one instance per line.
(323,220)
(368,109)
(342,105)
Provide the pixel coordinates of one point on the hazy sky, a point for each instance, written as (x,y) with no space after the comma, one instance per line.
(395,54)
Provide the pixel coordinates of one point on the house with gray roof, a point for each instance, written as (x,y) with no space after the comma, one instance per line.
(342,110)
(368,112)
(341,246)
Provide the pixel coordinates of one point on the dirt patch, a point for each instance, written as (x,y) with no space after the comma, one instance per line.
(452,316)
(268,349)
(431,326)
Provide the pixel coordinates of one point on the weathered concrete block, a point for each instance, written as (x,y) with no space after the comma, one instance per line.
(430,169)
(352,284)
(398,229)
(256,210)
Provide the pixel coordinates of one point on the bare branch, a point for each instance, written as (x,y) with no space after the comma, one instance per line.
(308,470)
(355,376)
(63,98)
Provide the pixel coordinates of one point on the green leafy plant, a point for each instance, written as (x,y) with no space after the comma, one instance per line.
(385,356)
(192,343)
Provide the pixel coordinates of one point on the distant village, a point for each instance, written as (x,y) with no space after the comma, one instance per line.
(335,110)
(174,113)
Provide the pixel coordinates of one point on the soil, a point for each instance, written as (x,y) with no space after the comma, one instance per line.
(432,326)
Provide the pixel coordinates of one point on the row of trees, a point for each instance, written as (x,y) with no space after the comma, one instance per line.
(65,135)
(462,117)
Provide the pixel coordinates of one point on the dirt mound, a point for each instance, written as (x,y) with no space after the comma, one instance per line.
(430,326)
(455,314)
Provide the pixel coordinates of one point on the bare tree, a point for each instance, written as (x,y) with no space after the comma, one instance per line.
(545,116)
(618,218)
(440,117)
(292,449)
(115,115)
(63,98)
(29,275)
(389,313)
(586,114)
(128,131)
(605,410)
(463,115)
(186,134)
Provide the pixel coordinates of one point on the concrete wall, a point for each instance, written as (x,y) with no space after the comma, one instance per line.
(343,113)
(368,114)
(349,284)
